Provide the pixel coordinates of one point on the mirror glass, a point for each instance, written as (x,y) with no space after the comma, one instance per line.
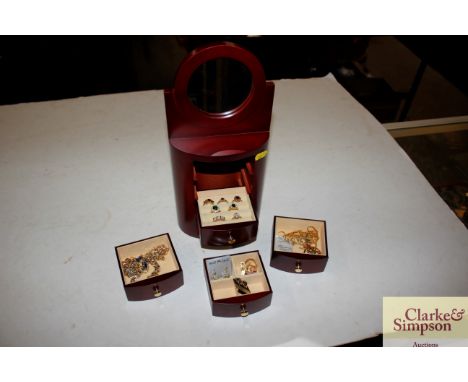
(219,85)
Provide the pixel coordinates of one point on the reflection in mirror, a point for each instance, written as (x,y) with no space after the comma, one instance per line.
(219,85)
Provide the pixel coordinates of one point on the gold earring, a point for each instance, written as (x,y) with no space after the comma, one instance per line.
(242,268)
(250,266)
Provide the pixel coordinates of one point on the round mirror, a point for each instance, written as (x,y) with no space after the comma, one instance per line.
(219,85)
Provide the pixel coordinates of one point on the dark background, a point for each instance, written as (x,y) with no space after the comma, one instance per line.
(38,68)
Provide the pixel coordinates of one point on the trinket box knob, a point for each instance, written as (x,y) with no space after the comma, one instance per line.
(231,240)
(298,268)
(156,291)
(244,312)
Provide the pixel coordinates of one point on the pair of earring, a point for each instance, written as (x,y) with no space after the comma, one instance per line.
(225,274)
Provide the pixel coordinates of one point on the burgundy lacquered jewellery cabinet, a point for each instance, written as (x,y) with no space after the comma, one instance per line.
(219,156)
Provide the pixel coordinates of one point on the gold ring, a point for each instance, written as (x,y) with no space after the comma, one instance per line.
(233,206)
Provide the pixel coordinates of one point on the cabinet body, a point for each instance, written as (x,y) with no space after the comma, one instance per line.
(218,150)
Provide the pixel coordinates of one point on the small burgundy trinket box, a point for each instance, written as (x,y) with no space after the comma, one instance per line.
(149,268)
(238,284)
(299,245)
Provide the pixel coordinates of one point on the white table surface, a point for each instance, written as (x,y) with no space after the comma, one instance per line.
(80,176)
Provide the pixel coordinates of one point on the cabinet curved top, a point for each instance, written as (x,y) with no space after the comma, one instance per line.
(185,120)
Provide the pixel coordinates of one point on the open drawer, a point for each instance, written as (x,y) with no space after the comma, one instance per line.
(149,268)
(299,245)
(237,284)
(224,207)
(226,218)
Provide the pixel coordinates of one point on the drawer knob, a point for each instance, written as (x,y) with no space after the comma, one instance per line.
(231,240)
(244,312)
(298,268)
(156,291)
